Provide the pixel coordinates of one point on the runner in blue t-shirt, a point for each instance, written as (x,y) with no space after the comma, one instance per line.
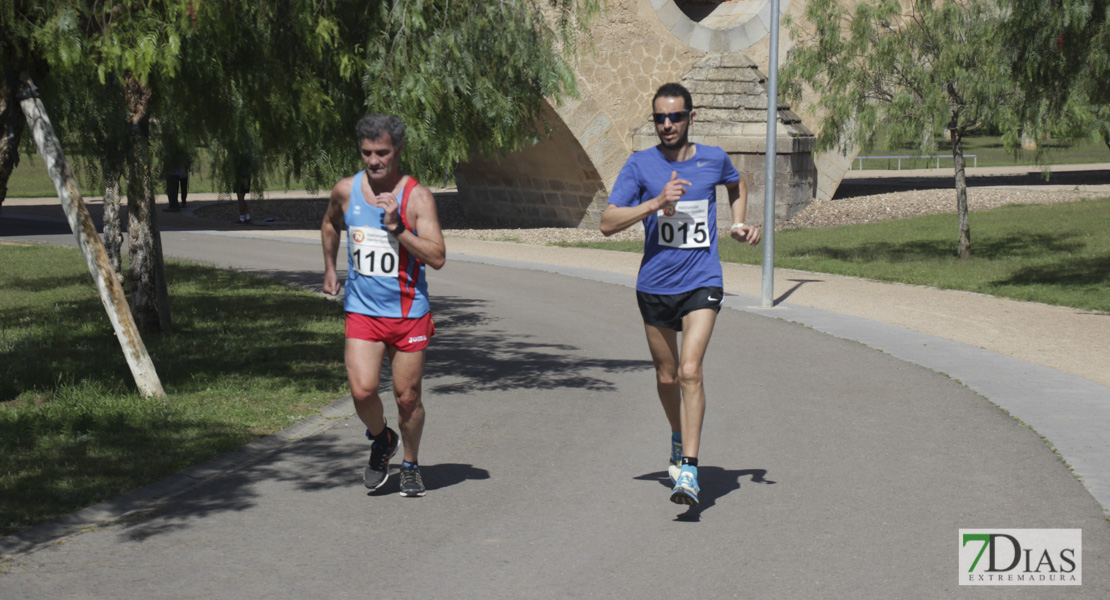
(672,189)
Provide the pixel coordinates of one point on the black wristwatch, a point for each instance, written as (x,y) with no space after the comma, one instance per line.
(400,228)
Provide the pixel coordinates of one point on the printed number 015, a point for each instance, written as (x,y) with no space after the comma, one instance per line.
(667,232)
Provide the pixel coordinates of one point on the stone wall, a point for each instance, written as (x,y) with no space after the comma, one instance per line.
(563,181)
(553,184)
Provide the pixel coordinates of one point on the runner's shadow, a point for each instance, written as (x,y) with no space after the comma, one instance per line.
(715,482)
(435,477)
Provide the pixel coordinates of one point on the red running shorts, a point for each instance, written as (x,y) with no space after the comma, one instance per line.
(407,335)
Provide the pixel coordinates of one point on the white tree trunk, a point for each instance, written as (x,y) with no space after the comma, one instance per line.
(113,233)
(109,288)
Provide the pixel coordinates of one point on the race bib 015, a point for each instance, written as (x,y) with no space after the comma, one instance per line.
(684,224)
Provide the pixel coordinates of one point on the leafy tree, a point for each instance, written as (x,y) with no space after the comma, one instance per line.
(11,132)
(936,66)
(1060,50)
(285,81)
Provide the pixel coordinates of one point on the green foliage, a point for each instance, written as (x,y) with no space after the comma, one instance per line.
(284,81)
(468,76)
(1060,51)
(937,66)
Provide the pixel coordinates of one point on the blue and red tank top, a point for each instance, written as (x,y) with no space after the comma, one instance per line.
(383,278)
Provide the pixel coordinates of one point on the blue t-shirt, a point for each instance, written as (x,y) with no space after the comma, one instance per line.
(680,242)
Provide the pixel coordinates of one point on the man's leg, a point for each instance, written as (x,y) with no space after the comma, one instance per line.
(171,191)
(408,371)
(663,344)
(364,364)
(364,367)
(697,327)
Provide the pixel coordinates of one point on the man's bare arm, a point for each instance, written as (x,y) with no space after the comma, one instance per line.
(738,202)
(329,232)
(428,246)
(618,218)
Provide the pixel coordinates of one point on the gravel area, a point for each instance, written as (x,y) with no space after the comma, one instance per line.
(855,203)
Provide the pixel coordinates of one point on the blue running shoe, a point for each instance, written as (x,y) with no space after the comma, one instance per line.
(377,469)
(676,458)
(686,488)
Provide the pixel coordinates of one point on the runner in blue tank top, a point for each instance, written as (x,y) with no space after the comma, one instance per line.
(384,279)
(671,189)
(386,301)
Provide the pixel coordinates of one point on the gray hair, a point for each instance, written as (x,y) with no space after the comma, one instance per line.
(373,127)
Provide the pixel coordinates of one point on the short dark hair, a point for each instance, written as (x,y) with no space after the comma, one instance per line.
(673,90)
(373,127)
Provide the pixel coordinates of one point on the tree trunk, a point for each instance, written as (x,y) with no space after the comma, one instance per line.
(11,130)
(108,287)
(146,272)
(964,250)
(113,233)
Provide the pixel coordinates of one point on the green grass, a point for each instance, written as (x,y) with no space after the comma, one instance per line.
(1055,254)
(989,152)
(30,180)
(248,357)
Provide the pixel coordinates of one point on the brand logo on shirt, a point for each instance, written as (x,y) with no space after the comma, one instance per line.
(702,163)
(358,236)
(669,210)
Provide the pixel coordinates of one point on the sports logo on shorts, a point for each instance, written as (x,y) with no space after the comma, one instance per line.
(419,338)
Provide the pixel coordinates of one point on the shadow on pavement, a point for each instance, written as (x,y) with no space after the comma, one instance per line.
(435,477)
(715,483)
(475,355)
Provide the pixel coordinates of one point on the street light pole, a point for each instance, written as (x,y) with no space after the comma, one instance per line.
(771,155)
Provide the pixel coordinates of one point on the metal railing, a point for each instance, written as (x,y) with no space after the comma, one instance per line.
(937,157)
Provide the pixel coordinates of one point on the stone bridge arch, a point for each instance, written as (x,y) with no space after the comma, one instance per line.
(563,181)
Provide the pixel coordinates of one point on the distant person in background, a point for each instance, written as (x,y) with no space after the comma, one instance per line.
(243,172)
(175,170)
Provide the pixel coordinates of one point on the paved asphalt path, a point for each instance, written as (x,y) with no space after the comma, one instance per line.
(830,470)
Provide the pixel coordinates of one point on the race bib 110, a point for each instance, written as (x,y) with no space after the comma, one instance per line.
(373,252)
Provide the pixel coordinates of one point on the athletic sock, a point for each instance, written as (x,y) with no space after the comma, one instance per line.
(407,465)
(382,438)
(686,460)
(676,437)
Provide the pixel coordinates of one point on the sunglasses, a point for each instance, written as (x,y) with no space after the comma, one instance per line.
(675,117)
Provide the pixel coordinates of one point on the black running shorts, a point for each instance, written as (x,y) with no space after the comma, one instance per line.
(667,310)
